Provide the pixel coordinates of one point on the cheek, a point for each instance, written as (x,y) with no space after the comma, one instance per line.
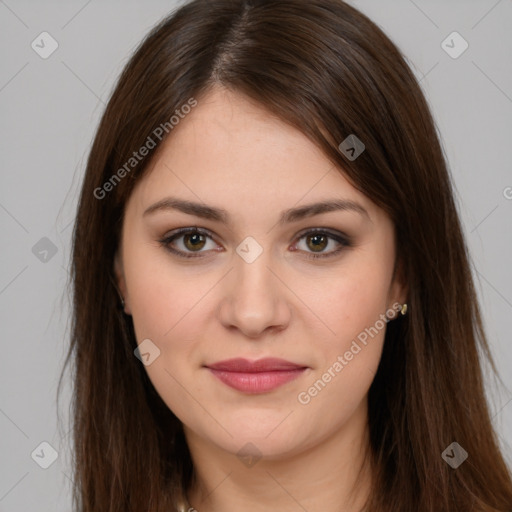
(167,309)
(347,301)
(161,295)
(169,304)
(353,305)
(347,362)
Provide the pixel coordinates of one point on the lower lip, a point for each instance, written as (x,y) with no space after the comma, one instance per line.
(259,382)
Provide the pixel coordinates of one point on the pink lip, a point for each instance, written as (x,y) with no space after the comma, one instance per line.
(256,376)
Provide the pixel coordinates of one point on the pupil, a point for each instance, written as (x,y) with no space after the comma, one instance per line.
(318,241)
(193,240)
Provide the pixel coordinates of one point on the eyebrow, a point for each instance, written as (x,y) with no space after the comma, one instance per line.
(220,215)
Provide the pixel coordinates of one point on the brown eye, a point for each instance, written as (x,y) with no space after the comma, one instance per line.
(189,243)
(317,243)
(194,241)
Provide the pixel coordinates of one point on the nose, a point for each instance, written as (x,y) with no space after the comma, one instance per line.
(254,298)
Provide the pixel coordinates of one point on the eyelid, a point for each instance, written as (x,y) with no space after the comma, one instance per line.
(177,233)
(340,238)
(343,240)
(334,233)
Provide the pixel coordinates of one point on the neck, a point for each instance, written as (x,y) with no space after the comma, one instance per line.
(332,476)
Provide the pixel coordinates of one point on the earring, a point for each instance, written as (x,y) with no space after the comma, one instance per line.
(403,311)
(122,302)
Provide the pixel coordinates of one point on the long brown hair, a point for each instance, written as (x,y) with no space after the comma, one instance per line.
(327,70)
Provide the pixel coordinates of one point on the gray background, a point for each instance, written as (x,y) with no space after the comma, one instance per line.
(49,111)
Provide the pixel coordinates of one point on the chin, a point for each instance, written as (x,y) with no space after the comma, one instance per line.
(252,438)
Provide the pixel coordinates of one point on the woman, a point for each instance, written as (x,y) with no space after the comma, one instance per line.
(273,306)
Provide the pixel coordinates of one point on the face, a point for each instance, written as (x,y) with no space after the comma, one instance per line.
(252,272)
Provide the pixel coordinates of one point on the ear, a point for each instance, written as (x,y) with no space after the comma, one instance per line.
(399,289)
(121,281)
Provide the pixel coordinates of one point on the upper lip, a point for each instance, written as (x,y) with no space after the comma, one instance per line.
(267,364)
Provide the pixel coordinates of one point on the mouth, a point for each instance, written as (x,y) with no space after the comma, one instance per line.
(254,377)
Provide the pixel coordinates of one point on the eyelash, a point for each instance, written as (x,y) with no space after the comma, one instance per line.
(344,242)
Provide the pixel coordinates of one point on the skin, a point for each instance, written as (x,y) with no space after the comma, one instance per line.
(232,154)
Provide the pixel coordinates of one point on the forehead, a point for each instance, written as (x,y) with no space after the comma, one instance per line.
(234,136)
(231,152)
